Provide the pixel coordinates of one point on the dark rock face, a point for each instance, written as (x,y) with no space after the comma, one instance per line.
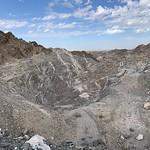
(12,48)
(88,98)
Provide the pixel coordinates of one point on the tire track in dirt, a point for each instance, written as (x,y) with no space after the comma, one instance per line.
(127,115)
(100,127)
(87,130)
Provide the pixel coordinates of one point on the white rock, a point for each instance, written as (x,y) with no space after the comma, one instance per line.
(38,142)
(122,137)
(122,73)
(52,138)
(84,95)
(140,137)
(147,105)
(26,137)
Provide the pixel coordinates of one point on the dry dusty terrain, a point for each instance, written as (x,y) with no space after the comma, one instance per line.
(97,100)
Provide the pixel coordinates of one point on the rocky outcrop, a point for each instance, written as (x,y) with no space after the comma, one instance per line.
(12,48)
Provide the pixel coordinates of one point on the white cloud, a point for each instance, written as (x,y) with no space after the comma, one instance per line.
(100,10)
(10,24)
(113,31)
(82,2)
(145,2)
(59,33)
(66,25)
(132,15)
(49,26)
(82,12)
(69,3)
(142,30)
(30,31)
(46,18)
(64,3)
(56,16)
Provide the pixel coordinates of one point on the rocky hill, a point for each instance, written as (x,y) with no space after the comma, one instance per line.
(97,100)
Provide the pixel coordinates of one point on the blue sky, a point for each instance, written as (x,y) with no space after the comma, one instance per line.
(78,24)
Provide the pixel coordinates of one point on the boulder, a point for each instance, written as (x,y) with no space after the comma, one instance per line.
(38,142)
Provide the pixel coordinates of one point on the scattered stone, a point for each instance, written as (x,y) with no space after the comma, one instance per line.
(121,74)
(6,132)
(140,137)
(68,144)
(84,95)
(122,137)
(39,143)
(26,137)
(127,135)
(101,116)
(20,138)
(52,138)
(147,105)
(26,131)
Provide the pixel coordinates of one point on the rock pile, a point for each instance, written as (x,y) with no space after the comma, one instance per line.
(39,143)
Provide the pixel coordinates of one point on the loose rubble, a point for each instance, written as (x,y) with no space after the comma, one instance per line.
(38,142)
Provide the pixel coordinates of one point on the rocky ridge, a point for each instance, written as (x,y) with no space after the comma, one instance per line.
(82,97)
